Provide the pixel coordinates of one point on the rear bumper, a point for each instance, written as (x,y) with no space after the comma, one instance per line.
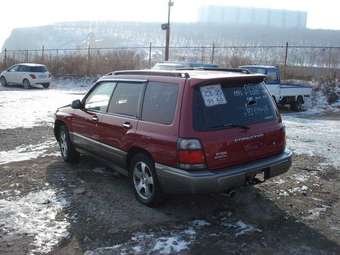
(40,81)
(173,180)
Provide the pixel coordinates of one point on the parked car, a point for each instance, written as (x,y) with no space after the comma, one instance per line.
(177,132)
(284,93)
(26,75)
(181,65)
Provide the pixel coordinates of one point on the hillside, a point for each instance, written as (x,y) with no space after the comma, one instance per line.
(116,34)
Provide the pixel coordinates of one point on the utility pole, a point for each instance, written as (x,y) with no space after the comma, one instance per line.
(166,27)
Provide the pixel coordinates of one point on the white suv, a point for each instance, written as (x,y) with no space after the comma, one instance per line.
(26,75)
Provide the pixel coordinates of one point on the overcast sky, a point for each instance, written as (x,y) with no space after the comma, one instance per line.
(23,13)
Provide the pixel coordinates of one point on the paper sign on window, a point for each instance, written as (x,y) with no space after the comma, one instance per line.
(213,95)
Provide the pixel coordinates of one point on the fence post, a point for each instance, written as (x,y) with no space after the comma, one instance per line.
(5,58)
(42,53)
(330,65)
(26,57)
(88,60)
(202,52)
(213,53)
(56,62)
(285,64)
(150,54)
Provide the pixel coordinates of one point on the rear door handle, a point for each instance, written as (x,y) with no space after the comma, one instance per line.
(127,125)
(95,118)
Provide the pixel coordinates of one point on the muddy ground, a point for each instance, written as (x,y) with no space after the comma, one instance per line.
(50,207)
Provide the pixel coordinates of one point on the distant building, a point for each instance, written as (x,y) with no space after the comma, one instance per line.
(252,16)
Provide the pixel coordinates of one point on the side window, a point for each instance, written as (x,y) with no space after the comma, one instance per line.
(126,98)
(21,69)
(160,102)
(99,98)
(14,69)
(272,75)
(24,69)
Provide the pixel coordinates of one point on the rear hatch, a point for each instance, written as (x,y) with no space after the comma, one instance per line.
(236,123)
(40,72)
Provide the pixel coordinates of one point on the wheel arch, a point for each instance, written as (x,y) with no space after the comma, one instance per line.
(300,97)
(4,77)
(57,125)
(25,78)
(134,151)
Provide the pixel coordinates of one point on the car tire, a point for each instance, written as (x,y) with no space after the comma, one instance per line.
(68,152)
(3,81)
(46,85)
(144,181)
(26,83)
(297,106)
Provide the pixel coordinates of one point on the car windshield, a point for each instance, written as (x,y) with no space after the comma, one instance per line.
(220,106)
(37,69)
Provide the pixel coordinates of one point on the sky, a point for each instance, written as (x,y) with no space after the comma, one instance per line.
(23,13)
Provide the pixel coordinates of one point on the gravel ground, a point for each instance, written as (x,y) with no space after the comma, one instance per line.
(49,207)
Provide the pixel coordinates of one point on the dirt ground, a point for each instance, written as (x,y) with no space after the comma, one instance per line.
(50,207)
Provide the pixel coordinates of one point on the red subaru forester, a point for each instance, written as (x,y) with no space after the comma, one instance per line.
(183,131)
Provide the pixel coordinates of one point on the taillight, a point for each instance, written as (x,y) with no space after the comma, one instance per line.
(33,76)
(190,154)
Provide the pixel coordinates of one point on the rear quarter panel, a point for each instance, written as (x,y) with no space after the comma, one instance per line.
(160,140)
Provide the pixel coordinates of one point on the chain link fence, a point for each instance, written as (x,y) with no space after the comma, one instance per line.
(302,62)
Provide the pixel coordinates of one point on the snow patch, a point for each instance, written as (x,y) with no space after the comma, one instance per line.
(35,215)
(280,181)
(26,152)
(298,189)
(319,103)
(200,223)
(300,177)
(169,245)
(283,193)
(30,108)
(315,212)
(314,137)
(242,228)
(292,191)
(148,244)
(162,242)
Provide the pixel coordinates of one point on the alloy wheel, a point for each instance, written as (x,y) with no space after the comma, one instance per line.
(63,143)
(143,180)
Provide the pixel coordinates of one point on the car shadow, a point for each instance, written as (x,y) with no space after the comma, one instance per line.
(103,212)
(19,88)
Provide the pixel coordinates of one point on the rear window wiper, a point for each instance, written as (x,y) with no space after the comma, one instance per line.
(231,125)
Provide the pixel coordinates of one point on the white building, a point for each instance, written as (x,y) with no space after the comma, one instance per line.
(252,16)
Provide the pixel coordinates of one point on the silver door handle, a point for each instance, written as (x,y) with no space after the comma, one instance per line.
(95,118)
(127,125)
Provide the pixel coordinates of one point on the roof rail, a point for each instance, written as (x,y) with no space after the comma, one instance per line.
(153,73)
(236,70)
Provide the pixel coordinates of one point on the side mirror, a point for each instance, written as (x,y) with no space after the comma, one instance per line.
(76,104)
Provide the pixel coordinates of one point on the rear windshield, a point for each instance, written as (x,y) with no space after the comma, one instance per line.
(37,69)
(218,106)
